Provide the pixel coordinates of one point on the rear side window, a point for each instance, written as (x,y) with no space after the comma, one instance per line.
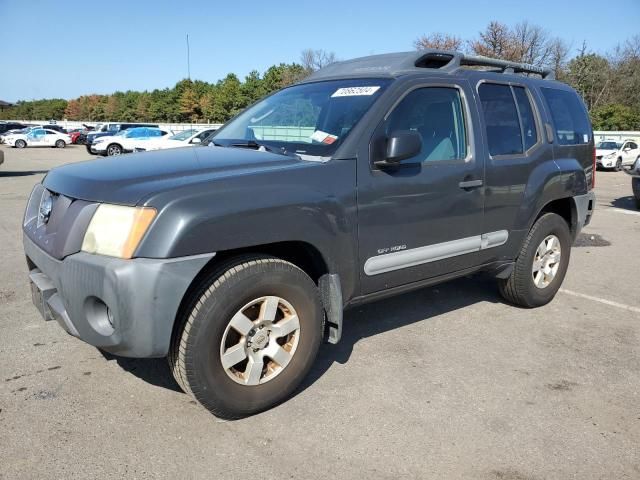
(509,119)
(435,113)
(527,117)
(569,117)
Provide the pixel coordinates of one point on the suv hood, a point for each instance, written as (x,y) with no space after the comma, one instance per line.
(604,151)
(128,179)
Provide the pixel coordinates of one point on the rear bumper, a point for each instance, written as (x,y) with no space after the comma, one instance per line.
(585,205)
(142,297)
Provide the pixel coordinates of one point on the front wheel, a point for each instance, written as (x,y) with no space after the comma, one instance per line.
(114,149)
(249,335)
(541,265)
(618,166)
(21,144)
(60,144)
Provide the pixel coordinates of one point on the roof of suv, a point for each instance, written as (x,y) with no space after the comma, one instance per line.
(422,61)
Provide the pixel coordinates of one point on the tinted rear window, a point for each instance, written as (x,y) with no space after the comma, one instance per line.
(501,119)
(569,116)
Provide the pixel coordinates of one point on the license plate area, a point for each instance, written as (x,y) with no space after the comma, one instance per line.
(41,291)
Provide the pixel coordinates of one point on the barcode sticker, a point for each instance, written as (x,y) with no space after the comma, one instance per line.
(355,91)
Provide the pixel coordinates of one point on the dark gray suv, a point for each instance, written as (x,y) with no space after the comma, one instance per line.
(370,178)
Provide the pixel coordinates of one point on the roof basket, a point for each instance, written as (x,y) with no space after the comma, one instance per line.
(503,66)
(451,61)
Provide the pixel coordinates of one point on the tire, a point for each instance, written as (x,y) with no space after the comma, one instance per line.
(618,166)
(113,150)
(20,144)
(520,288)
(638,203)
(60,144)
(200,338)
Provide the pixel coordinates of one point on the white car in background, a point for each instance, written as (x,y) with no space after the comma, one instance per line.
(37,137)
(186,138)
(611,154)
(125,140)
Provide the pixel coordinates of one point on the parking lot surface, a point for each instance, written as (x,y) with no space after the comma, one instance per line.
(446,382)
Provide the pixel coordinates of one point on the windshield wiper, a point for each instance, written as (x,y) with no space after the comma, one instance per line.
(257,146)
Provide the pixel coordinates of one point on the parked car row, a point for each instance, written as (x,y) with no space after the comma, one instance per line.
(109,139)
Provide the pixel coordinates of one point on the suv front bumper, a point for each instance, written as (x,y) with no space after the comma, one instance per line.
(125,307)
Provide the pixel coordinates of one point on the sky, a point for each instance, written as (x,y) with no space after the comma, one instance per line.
(67,49)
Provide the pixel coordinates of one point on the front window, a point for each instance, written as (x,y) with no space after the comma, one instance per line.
(182,135)
(608,146)
(310,120)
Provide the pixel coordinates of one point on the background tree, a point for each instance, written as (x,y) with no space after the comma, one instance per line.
(313,60)
(439,41)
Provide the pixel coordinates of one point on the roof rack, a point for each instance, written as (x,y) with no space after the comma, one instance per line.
(392,64)
(458,60)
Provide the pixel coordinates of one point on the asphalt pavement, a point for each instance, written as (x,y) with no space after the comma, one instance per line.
(445,382)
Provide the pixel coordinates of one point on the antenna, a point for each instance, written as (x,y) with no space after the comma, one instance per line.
(188,59)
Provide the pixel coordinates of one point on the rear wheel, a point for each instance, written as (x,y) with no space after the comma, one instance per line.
(21,144)
(541,265)
(114,149)
(249,336)
(60,144)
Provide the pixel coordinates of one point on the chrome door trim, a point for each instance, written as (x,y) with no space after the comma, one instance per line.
(389,262)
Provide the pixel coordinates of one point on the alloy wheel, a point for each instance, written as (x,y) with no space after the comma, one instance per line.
(546,261)
(260,340)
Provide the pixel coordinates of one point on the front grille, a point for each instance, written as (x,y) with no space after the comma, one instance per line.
(61,233)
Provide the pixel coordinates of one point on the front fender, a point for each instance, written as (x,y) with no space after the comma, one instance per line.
(315,204)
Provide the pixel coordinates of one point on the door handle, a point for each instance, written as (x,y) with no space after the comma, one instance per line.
(468,184)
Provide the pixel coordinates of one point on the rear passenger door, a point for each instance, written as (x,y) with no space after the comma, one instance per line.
(513,148)
(422,218)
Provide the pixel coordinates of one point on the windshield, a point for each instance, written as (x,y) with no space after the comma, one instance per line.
(309,120)
(182,135)
(608,146)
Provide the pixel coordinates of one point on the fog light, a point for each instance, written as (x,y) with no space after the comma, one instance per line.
(99,316)
(110,317)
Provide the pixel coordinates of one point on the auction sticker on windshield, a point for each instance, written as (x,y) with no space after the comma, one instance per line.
(355,91)
(323,137)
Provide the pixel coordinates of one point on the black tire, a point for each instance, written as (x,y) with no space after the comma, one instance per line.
(618,166)
(113,150)
(638,203)
(194,355)
(520,288)
(60,144)
(20,144)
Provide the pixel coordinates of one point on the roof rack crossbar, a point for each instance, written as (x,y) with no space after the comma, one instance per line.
(461,60)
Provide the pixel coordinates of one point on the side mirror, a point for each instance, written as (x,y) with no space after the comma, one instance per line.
(401,145)
(196,140)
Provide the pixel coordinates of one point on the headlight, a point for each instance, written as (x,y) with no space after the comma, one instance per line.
(611,155)
(116,231)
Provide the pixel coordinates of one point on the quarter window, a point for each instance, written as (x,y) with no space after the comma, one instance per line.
(435,113)
(569,117)
(527,117)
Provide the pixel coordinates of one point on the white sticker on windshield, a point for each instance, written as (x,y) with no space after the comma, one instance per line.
(323,137)
(355,91)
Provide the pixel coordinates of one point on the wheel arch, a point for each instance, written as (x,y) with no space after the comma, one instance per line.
(302,254)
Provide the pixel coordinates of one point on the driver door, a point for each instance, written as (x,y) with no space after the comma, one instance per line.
(423,217)
(36,137)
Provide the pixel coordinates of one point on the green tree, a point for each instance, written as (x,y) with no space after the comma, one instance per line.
(615,117)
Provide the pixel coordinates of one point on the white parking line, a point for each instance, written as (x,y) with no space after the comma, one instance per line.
(602,300)
(626,212)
